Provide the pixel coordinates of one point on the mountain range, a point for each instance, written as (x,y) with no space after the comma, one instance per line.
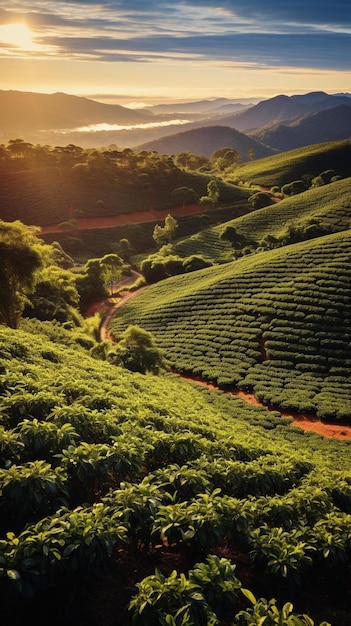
(272,125)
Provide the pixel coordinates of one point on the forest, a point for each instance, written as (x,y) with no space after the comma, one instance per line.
(153,470)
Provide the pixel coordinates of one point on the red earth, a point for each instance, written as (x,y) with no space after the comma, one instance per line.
(306,422)
(139,217)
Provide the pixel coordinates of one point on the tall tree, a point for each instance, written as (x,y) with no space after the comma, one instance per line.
(21,256)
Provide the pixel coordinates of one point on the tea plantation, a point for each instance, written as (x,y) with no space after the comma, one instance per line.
(277,323)
(283,168)
(131,499)
(310,214)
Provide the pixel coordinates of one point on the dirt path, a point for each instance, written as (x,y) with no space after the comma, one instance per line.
(306,422)
(139,217)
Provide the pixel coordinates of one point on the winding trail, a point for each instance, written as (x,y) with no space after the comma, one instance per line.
(305,422)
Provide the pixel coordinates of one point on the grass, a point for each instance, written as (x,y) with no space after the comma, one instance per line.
(292,165)
(276,323)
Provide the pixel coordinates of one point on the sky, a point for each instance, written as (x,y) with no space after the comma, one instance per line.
(141,51)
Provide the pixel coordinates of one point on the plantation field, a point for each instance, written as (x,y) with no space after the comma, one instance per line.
(277,323)
(317,211)
(307,215)
(292,165)
(106,475)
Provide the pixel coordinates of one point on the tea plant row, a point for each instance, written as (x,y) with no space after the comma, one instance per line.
(277,324)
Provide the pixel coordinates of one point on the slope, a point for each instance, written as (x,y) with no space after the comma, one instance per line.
(105,473)
(277,323)
(292,165)
(330,125)
(282,108)
(206,140)
(26,111)
(57,185)
(317,211)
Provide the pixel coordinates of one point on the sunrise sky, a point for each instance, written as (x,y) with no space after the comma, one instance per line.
(150,51)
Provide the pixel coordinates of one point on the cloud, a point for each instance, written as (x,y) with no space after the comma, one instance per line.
(296,33)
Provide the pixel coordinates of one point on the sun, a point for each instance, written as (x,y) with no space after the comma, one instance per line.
(18,36)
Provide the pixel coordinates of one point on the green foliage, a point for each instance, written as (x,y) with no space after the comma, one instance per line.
(55,296)
(213,194)
(283,168)
(260,199)
(274,323)
(165,234)
(202,598)
(266,612)
(21,256)
(102,468)
(137,351)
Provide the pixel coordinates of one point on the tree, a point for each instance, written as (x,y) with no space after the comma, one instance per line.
(90,283)
(235,239)
(111,268)
(124,249)
(260,200)
(137,351)
(22,254)
(225,157)
(185,195)
(55,296)
(213,194)
(293,188)
(165,234)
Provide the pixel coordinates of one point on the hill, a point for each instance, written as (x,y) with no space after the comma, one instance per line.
(204,107)
(292,165)
(205,141)
(281,108)
(276,323)
(28,112)
(326,209)
(330,125)
(105,473)
(307,215)
(45,186)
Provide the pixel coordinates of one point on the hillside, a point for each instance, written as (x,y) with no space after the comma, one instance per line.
(330,125)
(205,141)
(46,186)
(28,112)
(276,323)
(108,474)
(307,215)
(193,495)
(204,107)
(281,108)
(292,165)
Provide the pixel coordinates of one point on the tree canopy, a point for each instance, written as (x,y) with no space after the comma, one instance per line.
(137,351)
(22,254)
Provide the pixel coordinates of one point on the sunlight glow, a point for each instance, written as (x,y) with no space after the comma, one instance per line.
(17,35)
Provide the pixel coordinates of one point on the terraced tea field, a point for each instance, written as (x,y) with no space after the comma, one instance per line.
(276,323)
(316,211)
(283,168)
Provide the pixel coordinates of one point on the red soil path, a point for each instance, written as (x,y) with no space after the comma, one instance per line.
(136,217)
(306,422)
